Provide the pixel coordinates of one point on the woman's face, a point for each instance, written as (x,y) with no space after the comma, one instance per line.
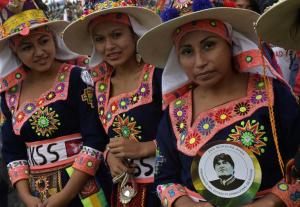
(244,4)
(115,42)
(205,57)
(37,51)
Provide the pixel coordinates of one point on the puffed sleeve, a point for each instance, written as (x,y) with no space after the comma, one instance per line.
(168,165)
(13,148)
(287,114)
(94,137)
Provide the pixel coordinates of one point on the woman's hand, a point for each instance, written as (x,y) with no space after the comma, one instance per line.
(187,201)
(125,148)
(57,200)
(269,200)
(117,166)
(31,201)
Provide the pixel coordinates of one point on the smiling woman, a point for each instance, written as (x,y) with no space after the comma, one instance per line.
(52,138)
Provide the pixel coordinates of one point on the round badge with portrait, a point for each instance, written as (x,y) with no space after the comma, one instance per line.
(226,174)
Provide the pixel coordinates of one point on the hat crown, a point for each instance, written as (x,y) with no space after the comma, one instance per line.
(10,8)
(17,16)
(98,5)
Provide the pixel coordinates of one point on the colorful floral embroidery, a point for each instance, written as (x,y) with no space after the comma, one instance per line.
(242,108)
(251,135)
(288,193)
(126,127)
(190,138)
(44,121)
(206,125)
(108,108)
(223,115)
(58,92)
(88,96)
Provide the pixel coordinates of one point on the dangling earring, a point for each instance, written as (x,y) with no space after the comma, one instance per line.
(138,58)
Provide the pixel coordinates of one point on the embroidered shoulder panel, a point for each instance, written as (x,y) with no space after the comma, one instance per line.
(12,79)
(108,108)
(97,73)
(190,138)
(59,91)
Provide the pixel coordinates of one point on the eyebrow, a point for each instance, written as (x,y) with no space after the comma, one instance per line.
(203,40)
(24,42)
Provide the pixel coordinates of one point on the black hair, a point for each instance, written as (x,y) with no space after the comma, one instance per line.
(224,157)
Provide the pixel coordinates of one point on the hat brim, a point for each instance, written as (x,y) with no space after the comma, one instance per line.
(77,37)
(280,25)
(57,26)
(157,43)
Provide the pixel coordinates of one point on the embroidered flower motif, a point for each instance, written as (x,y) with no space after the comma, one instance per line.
(180,113)
(108,116)
(102,87)
(40,102)
(134,98)
(101,112)
(250,134)
(258,97)
(260,84)
(20,116)
(101,99)
(181,126)
(144,89)
(242,108)
(13,89)
(146,76)
(12,100)
(59,87)
(223,115)
(114,107)
(192,140)
(42,184)
(124,102)
(206,125)
(179,103)
(29,108)
(51,95)
(62,77)
(44,121)
(127,127)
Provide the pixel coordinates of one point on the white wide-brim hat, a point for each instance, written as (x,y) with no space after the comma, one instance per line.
(155,46)
(280,24)
(58,26)
(77,38)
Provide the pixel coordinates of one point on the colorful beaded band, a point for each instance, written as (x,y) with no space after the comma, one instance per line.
(169,193)
(21,22)
(214,26)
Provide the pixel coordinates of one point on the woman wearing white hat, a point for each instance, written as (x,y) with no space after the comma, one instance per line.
(49,113)
(128,93)
(279,25)
(226,109)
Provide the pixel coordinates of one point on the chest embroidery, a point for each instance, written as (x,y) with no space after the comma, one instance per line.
(126,127)
(59,91)
(250,134)
(109,108)
(190,138)
(87,96)
(45,121)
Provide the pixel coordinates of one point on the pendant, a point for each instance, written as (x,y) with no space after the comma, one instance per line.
(126,194)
